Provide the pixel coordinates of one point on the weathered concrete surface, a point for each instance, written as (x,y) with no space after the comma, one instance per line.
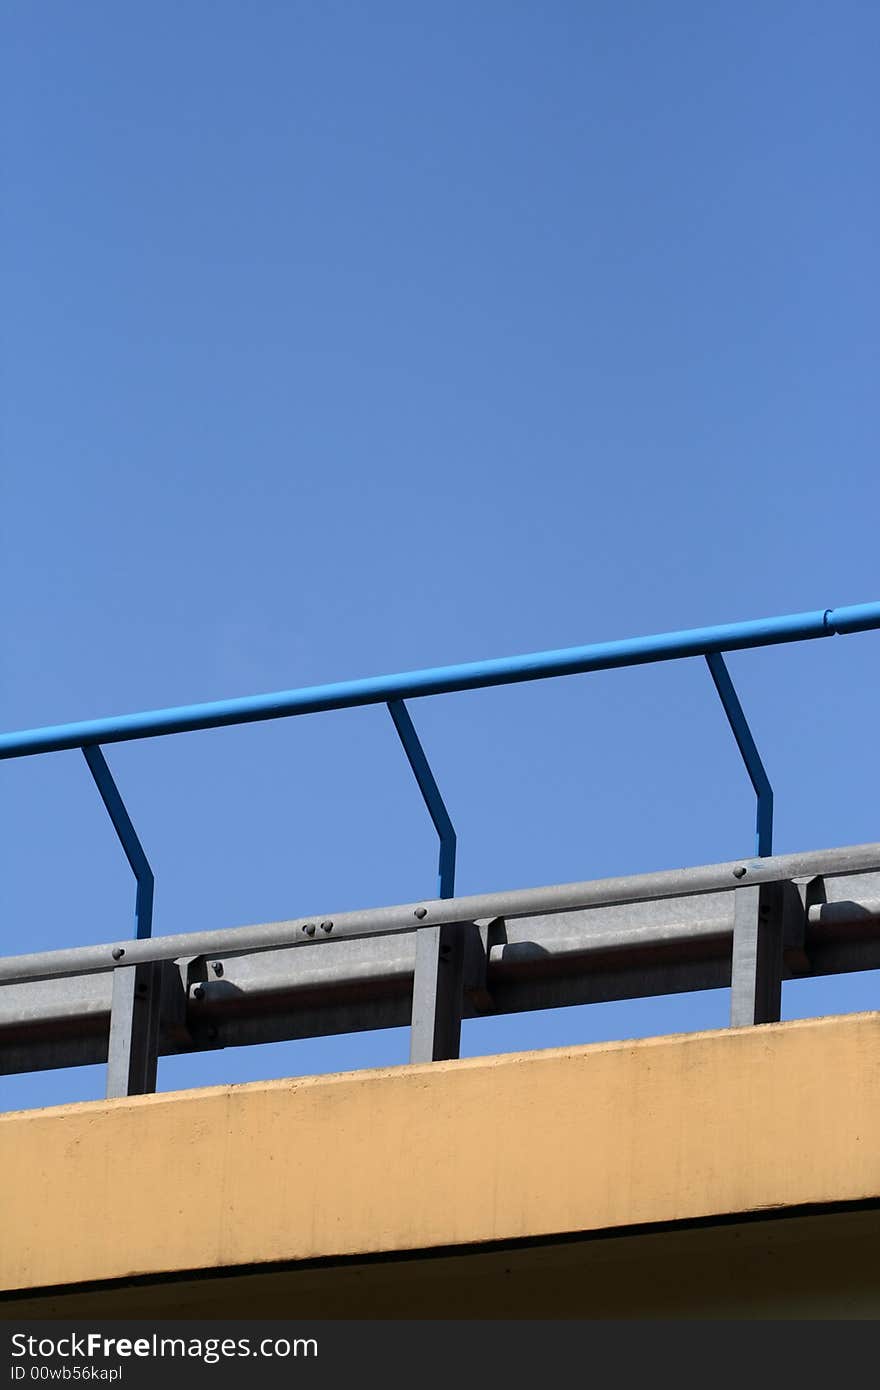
(430,1159)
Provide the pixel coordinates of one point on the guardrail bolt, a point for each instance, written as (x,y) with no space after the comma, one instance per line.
(420,912)
(118,952)
(309,929)
(217,967)
(740,872)
(327,926)
(198,992)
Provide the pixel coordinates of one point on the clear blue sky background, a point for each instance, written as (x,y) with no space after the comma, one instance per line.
(349,338)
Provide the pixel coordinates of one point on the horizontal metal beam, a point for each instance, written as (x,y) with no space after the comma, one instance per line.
(602,656)
(318,931)
(574,944)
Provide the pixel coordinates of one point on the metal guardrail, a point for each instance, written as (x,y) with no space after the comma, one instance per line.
(749,925)
(137,1020)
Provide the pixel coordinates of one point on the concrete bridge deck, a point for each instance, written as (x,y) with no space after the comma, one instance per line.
(732,1173)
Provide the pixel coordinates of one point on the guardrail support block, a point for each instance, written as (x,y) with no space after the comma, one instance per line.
(756,967)
(135,1019)
(438,992)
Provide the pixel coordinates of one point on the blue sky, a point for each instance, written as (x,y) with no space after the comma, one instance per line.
(341,339)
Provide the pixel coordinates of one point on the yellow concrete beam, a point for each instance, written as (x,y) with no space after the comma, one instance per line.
(528,1145)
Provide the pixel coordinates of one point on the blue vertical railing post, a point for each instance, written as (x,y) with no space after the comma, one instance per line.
(431,795)
(134,853)
(748,748)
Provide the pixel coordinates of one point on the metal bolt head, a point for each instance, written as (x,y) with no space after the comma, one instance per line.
(420,912)
(327,926)
(198,992)
(740,872)
(118,952)
(217,967)
(309,929)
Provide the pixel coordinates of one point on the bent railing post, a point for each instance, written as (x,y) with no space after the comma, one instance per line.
(748,748)
(135,1009)
(435,1019)
(431,794)
(134,852)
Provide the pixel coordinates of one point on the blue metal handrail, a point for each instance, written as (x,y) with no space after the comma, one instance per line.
(708,642)
(444,680)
